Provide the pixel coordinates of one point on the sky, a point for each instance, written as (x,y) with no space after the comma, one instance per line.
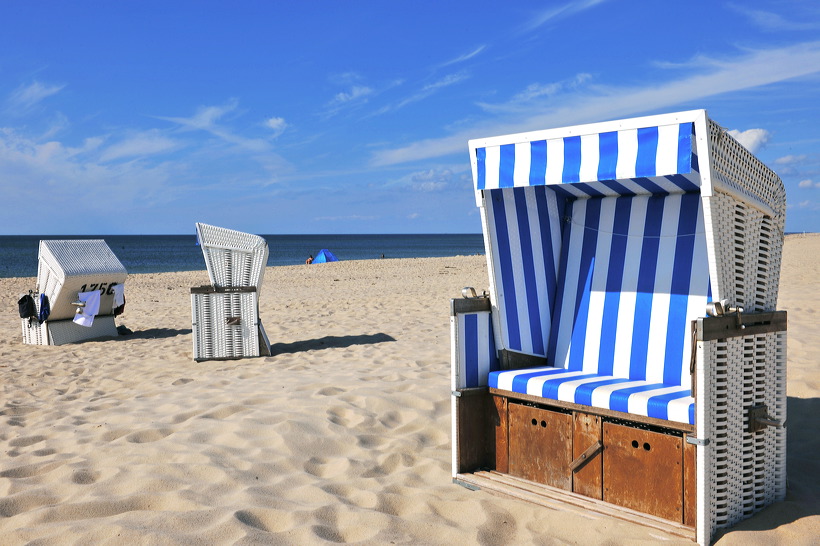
(143,117)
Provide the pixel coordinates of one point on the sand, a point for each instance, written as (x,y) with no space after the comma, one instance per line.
(342,436)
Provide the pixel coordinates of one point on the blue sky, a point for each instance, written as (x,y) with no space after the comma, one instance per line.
(353,117)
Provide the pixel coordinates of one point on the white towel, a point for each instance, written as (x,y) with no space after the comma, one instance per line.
(119,295)
(92,306)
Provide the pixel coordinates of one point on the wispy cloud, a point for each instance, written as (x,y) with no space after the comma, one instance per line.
(560,12)
(465,57)
(535,92)
(752,69)
(432,88)
(207,119)
(790,159)
(148,143)
(774,22)
(27,96)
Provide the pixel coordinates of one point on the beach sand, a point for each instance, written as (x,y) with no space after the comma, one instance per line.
(342,436)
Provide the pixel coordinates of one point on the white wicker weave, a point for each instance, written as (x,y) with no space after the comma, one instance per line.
(213,337)
(233,258)
(65,268)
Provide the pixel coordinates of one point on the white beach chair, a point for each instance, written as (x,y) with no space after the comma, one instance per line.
(226,322)
(65,269)
(592,372)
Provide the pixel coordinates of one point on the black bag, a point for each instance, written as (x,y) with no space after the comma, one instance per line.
(27,307)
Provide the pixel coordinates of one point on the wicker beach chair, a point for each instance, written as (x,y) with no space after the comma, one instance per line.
(629,358)
(66,269)
(226,322)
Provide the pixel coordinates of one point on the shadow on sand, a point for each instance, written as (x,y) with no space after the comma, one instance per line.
(328,342)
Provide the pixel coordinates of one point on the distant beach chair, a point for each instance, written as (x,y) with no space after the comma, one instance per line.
(67,272)
(226,323)
(629,357)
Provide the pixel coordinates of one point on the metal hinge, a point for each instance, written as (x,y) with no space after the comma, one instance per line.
(697,441)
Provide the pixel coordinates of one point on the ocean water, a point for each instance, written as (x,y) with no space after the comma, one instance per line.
(160,253)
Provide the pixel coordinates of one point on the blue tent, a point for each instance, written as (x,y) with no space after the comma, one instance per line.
(324,256)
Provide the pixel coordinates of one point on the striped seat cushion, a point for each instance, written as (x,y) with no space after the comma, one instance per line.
(659,400)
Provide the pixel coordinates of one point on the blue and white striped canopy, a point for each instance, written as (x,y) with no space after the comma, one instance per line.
(650,160)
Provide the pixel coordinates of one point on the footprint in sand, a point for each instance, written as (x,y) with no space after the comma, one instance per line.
(148,435)
(85,477)
(330,391)
(26,441)
(222,413)
(269,520)
(29,470)
(326,468)
(182,381)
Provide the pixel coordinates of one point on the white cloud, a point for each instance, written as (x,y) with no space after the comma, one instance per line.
(790,159)
(54,176)
(26,96)
(773,22)
(808,183)
(536,92)
(206,119)
(148,143)
(560,12)
(432,88)
(751,139)
(754,69)
(357,92)
(277,125)
(465,57)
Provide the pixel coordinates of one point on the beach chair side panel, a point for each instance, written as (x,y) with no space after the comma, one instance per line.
(473,357)
(739,472)
(225,323)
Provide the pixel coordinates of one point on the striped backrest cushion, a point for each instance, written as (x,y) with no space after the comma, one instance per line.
(632,275)
(525,226)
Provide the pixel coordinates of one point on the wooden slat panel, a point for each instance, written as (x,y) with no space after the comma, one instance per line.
(499,422)
(690,497)
(475,441)
(588,480)
(540,445)
(643,471)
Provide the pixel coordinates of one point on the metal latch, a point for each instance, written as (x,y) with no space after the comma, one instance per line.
(759,419)
(586,456)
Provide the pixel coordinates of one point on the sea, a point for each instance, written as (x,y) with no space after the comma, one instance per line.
(161,253)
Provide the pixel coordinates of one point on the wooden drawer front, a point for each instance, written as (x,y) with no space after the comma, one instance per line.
(643,471)
(540,445)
